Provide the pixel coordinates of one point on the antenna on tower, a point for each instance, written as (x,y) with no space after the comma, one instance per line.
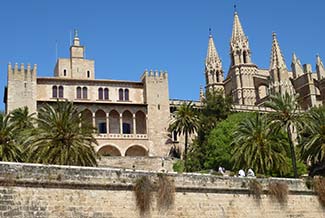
(235,8)
(56,50)
(210,31)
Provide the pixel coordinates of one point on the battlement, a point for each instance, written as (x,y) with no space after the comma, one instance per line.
(21,73)
(154,74)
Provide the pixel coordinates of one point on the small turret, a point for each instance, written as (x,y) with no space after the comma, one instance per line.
(320,68)
(296,66)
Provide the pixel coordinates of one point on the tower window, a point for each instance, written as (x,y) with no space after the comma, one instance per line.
(60,91)
(126,94)
(106,94)
(84,93)
(54,92)
(78,93)
(88,74)
(120,94)
(65,72)
(100,93)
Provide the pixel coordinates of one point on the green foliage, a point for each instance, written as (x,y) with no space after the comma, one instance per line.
(9,149)
(178,166)
(301,168)
(185,122)
(62,137)
(286,116)
(258,146)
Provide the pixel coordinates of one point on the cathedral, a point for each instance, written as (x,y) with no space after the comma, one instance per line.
(132,117)
(250,86)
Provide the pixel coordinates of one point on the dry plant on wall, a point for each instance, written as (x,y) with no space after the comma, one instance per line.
(143,194)
(279,191)
(255,188)
(319,186)
(166,192)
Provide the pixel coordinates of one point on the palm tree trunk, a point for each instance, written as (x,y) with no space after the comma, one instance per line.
(293,153)
(185,151)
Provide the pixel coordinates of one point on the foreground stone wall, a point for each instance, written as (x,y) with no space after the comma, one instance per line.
(28,190)
(138,163)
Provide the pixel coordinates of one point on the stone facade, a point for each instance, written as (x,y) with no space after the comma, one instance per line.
(250,86)
(131,117)
(32,190)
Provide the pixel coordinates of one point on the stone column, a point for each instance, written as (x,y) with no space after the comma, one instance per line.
(121,123)
(134,125)
(107,123)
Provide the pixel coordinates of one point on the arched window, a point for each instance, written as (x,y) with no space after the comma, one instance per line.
(126,94)
(84,93)
(78,93)
(120,94)
(65,72)
(106,94)
(60,91)
(88,74)
(54,92)
(100,93)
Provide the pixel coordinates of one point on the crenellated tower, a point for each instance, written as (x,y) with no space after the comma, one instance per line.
(21,87)
(240,83)
(279,75)
(213,68)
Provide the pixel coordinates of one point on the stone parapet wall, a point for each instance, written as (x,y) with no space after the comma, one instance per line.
(31,190)
(138,163)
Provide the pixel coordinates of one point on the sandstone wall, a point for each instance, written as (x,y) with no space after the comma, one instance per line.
(28,190)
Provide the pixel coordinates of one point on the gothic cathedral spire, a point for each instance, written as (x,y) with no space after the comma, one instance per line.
(213,67)
(239,45)
(280,82)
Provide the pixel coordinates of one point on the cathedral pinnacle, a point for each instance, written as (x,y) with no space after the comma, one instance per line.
(76,40)
(212,58)
(277,60)
(238,34)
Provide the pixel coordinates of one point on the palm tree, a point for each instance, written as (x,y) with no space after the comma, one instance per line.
(62,137)
(313,139)
(9,149)
(258,146)
(285,115)
(185,122)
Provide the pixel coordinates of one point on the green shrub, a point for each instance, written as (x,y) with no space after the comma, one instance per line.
(178,166)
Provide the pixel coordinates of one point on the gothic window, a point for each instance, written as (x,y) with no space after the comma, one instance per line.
(100,93)
(106,94)
(60,91)
(88,74)
(84,93)
(126,94)
(65,72)
(78,93)
(120,94)
(54,91)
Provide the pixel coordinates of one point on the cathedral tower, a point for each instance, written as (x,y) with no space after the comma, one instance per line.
(239,83)
(279,76)
(213,68)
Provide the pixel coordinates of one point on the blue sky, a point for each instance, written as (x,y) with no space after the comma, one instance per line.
(125,37)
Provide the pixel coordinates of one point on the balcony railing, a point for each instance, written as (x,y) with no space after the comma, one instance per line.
(121,136)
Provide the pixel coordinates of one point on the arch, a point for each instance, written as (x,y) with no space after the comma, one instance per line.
(262,91)
(78,93)
(120,94)
(114,122)
(126,94)
(141,123)
(87,117)
(109,150)
(54,91)
(136,150)
(100,120)
(127,119)
(61,92)
(84,93)
(106,94)
(100,93)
